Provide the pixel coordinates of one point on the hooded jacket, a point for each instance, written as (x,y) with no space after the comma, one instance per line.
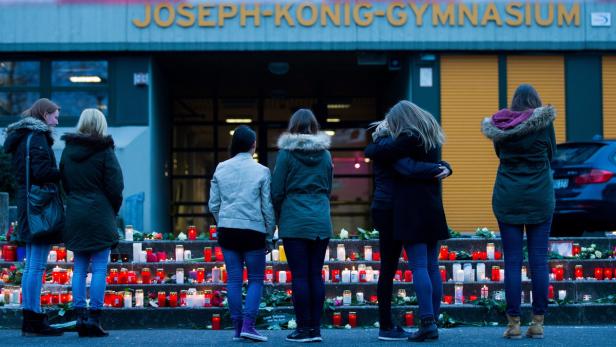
(43,168)
(93,182)
(524,190)
(301,186)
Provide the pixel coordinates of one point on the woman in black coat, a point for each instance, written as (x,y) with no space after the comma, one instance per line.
(419,217)
(92,180)
(38,122)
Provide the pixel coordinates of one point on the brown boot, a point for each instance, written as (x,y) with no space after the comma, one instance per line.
(513,328)
(535,330)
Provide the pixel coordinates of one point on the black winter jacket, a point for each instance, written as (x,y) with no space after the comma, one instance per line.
(43,168)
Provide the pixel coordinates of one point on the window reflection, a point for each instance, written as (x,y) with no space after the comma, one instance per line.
(78,73)
(72,103)
(14,103)
(19,73)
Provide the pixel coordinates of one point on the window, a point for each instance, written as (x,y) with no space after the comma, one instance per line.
(19,86)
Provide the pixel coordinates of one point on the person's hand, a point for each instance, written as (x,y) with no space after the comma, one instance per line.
(444,172)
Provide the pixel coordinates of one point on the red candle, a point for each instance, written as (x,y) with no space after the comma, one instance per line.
(109,298)
(408,276)
(495,273)
(337,319)
(223,274)
(118,300)
(183,295)
(173,299)
(207,298)
(473,297)
(64,276)
(483,255)
(579,272)
(269,274)
(607,273)
(200,275)
(160,275)
(576,249)
(376,256)
(218,253)
(207,254)
(146,276)
(476,255)
(409,319)
(398,276)
(362,276)
(46,298)
(598,273)
(123,276)
(161,256)
(192,232)
(443,271)
(162,299)
(55,298)
(452,255)
(559,273)
(551,292)
(448,299)
(213,233)
(444,253)
(289,277)
(61,254)
(352,319)
(64,297)
(335,275)
(374,299)
(215,322)
(131,277)
(245,275)
(9,252)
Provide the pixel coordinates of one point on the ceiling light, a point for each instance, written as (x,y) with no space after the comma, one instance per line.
(338,106)
(333,120)
(238,120)
(85,79)
(366,160)
(330,132)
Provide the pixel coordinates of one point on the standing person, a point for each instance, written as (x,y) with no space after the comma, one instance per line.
(93,183)
(523,198)
(301,186)
(419,217)
(383,219)
(39,120)
(242,206)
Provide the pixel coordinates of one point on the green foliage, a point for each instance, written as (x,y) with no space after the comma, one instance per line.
(7,179)
(610,299)
(367,235)
(491,304)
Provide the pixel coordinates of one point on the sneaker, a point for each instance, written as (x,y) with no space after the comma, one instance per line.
(315,335)
(394,334)
(300,335)
(249,332)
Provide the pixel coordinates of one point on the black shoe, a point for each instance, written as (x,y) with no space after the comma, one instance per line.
(427,331)
(36,324)
(300,335)
(93,324)
(315,334)
(81,315)
(394,334)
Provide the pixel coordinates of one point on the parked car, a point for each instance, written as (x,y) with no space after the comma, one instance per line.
(585,187)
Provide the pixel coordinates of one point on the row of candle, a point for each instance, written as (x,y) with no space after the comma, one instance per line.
(191,233)
(125,276)
(185,298)
(181,254)
(409,319)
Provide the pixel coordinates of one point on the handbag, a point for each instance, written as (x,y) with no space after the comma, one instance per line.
(45,210)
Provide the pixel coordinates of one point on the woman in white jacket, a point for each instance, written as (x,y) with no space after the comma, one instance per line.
(242,206)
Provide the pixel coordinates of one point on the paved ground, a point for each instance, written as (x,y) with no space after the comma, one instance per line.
(468,336)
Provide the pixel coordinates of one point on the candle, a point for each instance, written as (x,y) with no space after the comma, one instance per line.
(559,273)
(179,276)
(562,294)
(598,273)
(113,277)
(64,297)
(579,272)
(183,295)
(347,298)
(123,276)
(128,233)
(443,272)
(458,293)
(218,254)
(70,256)
(354,276)
(551,292)
(469,273)
(359,297)
(398,276)
(162,299)
(352,319)
(213,232)
(52,257)
(481,271)
(128,299)
(346,276)
(160,276)
(325,273)
(173,299)
(192,232)
(187,254)
(207,254)
(501,274)
(207,298)
(459,276)
(524,274)
(490,250)
(269,274)
(368,253)
(215,321)
(275,255)
(335,275)
(448,299)
(484,292)
(139,298)
(61,254)
(326,253)
(216,275)
(409,318)
(179,253)
(444,253)
(143,257)
(408,276)
(337,319)
(375,275)
(374,299)
(282,254)
(473,297)
(607,273)
(340,252)
(454,269)
(369,274)
(376,256)
(146,276)
(495,273)
(576,250)
(282,276)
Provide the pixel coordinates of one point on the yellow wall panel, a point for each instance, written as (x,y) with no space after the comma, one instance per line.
(609,97)
(469,92)
(547,75)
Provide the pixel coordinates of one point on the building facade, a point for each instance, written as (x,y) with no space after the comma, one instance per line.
(175,77)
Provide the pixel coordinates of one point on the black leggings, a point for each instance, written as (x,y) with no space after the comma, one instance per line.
(390,255)
(306,259)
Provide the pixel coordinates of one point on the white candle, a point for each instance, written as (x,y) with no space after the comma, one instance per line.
(368,253)
(524,274)
(340,252)
(455,267)
(562,294)
(346,276)
(354,276)
(268,256)
(375,275)
(490,250)
(360,297)
(282,276)
(484,292)
(326,273)
(459,276)
(522,296)
(469,273)
(128,233)
(275,255)
(481,272)
(179,253)
(15,296)
(70,256)
(327,253)
(128,299)
(502,274)
(144,257)
(136,252)
(458,293)
(179,276)
(187,255)
(52,257)
(369,274)
(216,274)
(347,298)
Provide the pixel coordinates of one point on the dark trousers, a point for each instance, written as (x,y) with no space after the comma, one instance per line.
(537,236)
(423,261)
(390,255)
(306,259)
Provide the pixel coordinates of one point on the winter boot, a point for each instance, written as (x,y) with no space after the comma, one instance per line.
(36,324)
(300,335)
(81,315)
(249,331)
(93,324)
(513,328)
(535,330)
(237,327)
(427,331)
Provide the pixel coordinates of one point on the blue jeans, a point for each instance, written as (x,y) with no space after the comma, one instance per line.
(255,262)
(513,238)
(423,261)
(99,273)
(306,259)
(32,278)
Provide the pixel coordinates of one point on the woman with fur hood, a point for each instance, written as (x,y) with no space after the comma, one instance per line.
(301,186)
(38,121)
(523,198)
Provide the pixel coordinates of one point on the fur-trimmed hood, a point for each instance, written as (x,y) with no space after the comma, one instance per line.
(541,118)
(80,147)
(16,131)
(309,149)
(381,130)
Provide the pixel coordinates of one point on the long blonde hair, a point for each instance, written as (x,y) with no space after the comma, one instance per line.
(407,118)
(92,122)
